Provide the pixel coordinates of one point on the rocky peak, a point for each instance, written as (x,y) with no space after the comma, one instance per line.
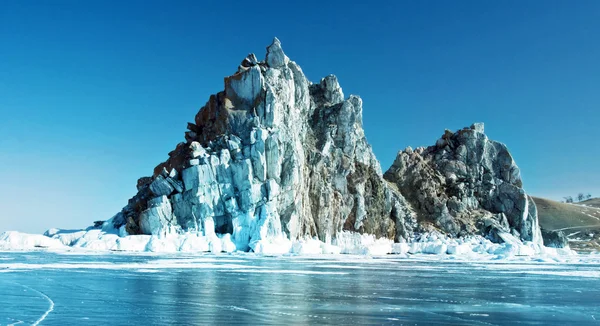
(275,57)
(328,91)
(466,184)
(271,157)
(274,157)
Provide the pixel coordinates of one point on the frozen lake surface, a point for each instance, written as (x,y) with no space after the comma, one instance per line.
(145,289)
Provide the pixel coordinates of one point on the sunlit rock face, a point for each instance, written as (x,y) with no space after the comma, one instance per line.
(467,184)
(272,156)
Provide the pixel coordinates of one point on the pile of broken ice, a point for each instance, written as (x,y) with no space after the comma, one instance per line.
(110,239)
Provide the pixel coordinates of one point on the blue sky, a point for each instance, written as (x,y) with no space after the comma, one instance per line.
(94,94)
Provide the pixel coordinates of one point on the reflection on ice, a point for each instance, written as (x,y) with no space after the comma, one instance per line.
(246,288)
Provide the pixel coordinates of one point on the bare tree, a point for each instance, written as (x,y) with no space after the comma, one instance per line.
(588,196)
(580,196)
(568,199)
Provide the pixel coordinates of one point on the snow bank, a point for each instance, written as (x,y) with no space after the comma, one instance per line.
(438,244)
(362,244)
(108,239)
(13,240)
(99,240)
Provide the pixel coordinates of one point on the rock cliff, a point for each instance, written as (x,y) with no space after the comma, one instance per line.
(467,184)
(274,156)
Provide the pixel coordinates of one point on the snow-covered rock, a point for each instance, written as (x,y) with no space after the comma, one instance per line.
(362,244)
(12,240)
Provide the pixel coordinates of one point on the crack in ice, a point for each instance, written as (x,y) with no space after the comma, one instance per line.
(50,308)
(21,322)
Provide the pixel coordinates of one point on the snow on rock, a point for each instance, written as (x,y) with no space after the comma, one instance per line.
(163,244)
(459,249)
(194,243)
(97,240)
(400,248)
(362,244)
(136,243)
(66,237)
(278,246)
(226,244)
(310,247)
(12,240)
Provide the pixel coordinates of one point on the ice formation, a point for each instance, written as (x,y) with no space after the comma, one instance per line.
(434,243)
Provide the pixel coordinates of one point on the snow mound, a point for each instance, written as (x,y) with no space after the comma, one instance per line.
(13,240)
(345,242)
(362,244)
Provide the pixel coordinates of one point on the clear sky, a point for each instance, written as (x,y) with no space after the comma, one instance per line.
(94,94)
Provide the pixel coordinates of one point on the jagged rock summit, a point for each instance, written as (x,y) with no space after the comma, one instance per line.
(274,157)
(467,184)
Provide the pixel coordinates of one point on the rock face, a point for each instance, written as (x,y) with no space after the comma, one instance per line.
(274,156)
(555,239)
(467,184)
(271,156)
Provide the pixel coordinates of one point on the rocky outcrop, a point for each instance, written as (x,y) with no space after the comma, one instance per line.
(275,157)
(555,239)
(466,184)
(272,156)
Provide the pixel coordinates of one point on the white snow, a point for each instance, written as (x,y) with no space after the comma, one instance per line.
(277,246)
(13,240)
(362,244)
(435,244)
(285,271)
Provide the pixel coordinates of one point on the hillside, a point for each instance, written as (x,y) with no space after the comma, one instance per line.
(594,202)
(580,223)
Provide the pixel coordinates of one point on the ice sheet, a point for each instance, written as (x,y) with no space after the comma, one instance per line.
(247,288)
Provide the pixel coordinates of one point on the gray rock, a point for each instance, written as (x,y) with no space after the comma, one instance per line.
(144,182)
(464,177)
(197,175)
(275,56)
(157,218)
(176,184)
(161,187)
(332,92)
(274,155)
(242,89)
(249,61)
(555,239)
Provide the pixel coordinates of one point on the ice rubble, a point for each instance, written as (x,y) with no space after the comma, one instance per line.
(110,239)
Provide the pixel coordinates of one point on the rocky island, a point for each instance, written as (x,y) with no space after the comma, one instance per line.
(275,162)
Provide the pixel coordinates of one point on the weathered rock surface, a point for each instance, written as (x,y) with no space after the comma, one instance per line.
(272,156)
(275,157)
(555,239)
(467,184)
